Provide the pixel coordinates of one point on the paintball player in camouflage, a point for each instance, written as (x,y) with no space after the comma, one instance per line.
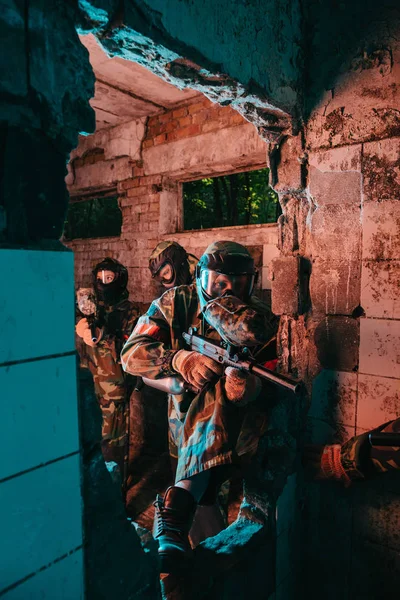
(117,318)
(215,424)
(356,459)
(170,265)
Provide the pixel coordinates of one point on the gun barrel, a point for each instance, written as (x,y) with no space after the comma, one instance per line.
(277,378)
(213,350)
(93,331)
(382,438)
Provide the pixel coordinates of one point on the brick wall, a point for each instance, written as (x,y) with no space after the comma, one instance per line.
(189,142)
(343,338)
(334,285)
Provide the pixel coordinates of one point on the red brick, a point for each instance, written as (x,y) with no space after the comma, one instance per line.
(128,183)
(160,139)
(153,180)
(138,172)
(165,117)
(188,131)
(136,191)
(170,126)
(147,143)
(153,121)
(180,112)
(152,132)
(215,111)
(193,108)
(200,117)
(185,121)
(172,136)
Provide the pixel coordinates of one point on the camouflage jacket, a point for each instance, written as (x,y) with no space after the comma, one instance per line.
(103,360)
(360,461)
(199,423)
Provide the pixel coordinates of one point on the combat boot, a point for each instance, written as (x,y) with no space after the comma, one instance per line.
(172,522)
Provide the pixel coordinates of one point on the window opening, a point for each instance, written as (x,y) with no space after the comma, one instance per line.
(93,218)
(239,199)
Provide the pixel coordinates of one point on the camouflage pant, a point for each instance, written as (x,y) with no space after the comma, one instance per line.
(213,432)
(114,427)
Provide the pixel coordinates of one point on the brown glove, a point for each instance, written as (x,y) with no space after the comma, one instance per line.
(195,368)
(81,326)
(241,387)
(83,330)
(325,462)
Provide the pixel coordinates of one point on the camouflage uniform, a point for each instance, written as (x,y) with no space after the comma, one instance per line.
(206,430)
(361,461)
(110,382)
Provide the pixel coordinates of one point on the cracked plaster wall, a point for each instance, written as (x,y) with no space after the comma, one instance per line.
(351,94)
(338,237)
(46,82)
(145,161)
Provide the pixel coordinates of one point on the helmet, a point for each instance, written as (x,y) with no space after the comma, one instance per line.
(225,268)
(111,293)
(172,255)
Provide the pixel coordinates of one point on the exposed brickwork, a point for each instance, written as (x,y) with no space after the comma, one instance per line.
(344,224)
(189,121)
(151,204)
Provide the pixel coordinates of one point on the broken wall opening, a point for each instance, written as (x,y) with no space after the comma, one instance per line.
(335,211)
(45,88)
(147,159)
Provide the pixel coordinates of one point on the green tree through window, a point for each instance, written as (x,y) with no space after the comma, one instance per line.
(238,199)
(97,217)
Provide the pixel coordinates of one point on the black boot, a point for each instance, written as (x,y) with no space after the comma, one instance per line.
(173,519)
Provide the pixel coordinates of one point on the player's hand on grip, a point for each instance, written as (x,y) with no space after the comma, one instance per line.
(195,368)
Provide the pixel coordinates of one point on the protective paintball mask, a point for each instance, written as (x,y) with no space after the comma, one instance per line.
(110,290)
(226,268)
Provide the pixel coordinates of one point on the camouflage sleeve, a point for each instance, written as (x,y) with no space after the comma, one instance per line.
(130,321)
(360,461)
(148,350)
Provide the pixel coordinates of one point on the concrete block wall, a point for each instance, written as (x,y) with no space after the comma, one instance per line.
(339,194)
(195,140)
(40,485)
(353,244)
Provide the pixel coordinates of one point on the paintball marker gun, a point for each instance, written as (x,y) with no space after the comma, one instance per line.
(227,355)
(382,438)
(231,356)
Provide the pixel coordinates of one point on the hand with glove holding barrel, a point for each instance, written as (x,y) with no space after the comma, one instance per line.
(195,368)
(83,330)
(240,387)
